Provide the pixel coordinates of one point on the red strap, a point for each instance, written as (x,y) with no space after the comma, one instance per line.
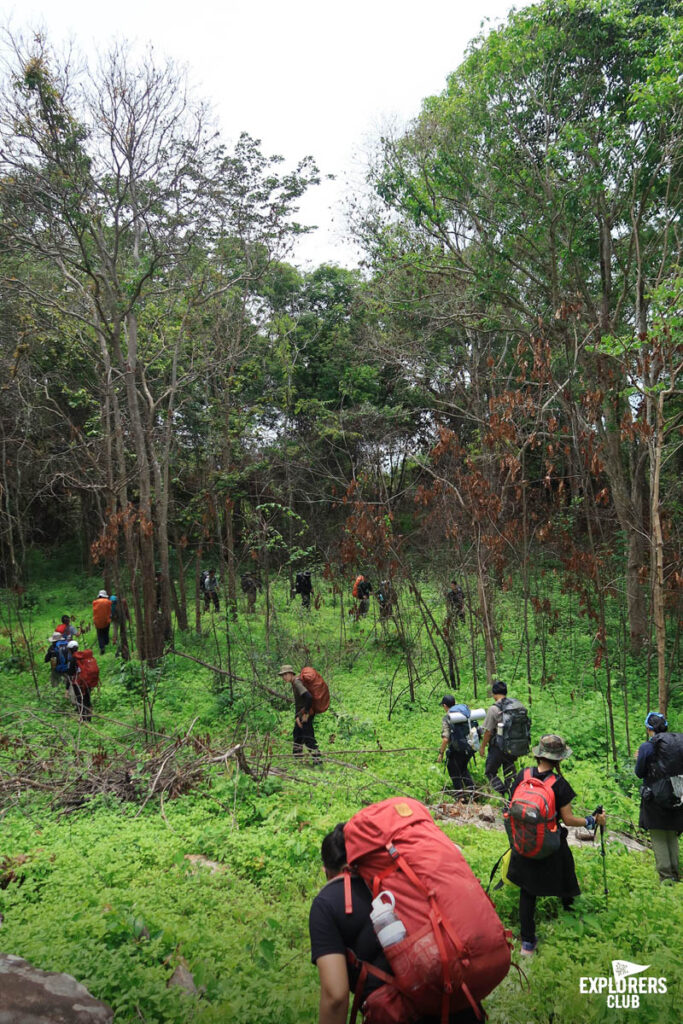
(348,900)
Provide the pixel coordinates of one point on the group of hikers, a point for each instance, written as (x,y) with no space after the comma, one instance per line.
(352,918)
(391,923)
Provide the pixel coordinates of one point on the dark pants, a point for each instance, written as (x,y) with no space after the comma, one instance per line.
(527,913)
(102,637)
(363,606)
(304,736)
(495,759)
(209,596)
(305,600)
(456,762)
(251,601)
(83,704)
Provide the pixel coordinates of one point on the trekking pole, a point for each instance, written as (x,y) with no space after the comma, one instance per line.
(599,810)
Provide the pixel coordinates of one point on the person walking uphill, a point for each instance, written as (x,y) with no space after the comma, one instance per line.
(537,871)
(659,763)
(101,617)
(211,591)
(310,691)
(455,744)
(507,730)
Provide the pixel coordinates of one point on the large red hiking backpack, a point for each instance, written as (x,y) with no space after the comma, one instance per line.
(531,819)
(359,579)
(317,687)
(456,949)
(88,670)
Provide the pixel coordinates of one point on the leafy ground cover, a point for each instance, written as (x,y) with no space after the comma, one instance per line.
(107,893)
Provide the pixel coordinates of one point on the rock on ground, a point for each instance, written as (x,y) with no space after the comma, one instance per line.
(32,996)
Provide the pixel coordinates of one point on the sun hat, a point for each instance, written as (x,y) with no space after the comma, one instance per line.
(72,644)
(56,636)
(552,748)
(285,669)
(103,593)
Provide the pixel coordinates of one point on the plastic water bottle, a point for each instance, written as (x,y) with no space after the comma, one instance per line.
(388,927)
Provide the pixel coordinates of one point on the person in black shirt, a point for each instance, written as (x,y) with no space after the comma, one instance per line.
(333,932)
(554,875)
(665,823)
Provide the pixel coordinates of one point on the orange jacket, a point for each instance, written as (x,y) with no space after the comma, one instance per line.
(101,612)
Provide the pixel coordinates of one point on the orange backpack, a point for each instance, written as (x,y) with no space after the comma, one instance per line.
(318,689)
(359,580)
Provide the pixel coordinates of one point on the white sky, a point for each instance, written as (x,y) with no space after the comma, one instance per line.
(304,76)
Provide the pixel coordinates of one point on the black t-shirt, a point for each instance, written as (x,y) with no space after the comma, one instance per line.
(332,930)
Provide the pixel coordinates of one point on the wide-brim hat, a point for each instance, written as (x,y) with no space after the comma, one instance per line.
(56,636)
(102,593)
(552,748)
(285,669)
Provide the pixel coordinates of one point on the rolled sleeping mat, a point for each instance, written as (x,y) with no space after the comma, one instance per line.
(475,716)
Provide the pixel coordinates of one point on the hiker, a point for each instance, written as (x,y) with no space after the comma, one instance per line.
(80,694)
(101,616)
(304,587)
(455,602)
(211,591)
(362,588)
(333,932)
(66,630)
(455,744)
(57,657)
(659,763)
(506,732)
(385,597)
(553,875)
(250,587)
(304,733)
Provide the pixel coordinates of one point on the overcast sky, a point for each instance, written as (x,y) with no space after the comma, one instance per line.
(305,77)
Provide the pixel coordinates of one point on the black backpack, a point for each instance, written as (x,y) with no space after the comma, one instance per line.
(666,773)
(459,732)
(515,737)
(202,580)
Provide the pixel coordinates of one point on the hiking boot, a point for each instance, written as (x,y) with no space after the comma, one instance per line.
(529,948)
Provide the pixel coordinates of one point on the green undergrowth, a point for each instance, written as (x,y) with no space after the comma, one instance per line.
(108,894)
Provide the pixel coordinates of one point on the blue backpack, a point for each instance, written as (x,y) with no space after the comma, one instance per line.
(62,656)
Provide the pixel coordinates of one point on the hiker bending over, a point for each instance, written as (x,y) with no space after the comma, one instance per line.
(455,602)
(304,733)
(507,727)
(553,874)
(659,762)
(456,746)
(333,932)
(101,617)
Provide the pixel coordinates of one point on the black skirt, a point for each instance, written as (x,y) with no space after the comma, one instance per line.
(553,876)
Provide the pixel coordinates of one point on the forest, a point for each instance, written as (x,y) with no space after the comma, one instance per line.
(493,397)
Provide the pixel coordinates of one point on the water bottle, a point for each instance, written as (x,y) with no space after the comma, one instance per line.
(388,927)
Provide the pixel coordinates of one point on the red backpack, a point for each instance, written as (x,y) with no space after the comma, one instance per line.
(531,819)
(88,670)
(318,689)
(456,949)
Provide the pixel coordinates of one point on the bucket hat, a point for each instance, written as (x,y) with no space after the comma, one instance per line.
(103,593)
(285,669)
(552,748)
